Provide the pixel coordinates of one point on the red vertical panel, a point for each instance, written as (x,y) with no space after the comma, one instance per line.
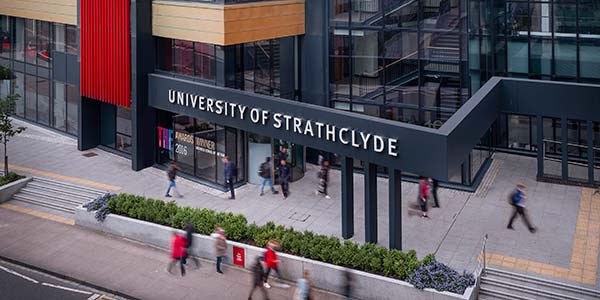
(105,51)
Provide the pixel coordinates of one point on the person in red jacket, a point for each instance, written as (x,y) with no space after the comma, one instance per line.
(271,261)
(178,252)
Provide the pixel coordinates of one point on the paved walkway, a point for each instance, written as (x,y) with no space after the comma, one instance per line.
(453,232)
(118,265)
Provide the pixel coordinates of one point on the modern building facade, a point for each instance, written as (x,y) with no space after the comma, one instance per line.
(378,86)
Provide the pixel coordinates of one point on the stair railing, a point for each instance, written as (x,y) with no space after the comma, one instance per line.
(481,258)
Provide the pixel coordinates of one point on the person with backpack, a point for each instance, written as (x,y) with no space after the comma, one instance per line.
(172,174)
(230,174)
(517,200)
(323,180)
(264,172)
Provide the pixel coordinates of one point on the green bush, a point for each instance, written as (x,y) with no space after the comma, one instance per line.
(367,257)
(10,178)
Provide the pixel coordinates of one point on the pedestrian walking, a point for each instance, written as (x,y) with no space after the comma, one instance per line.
(323,180)
(172,174)
(189,232)
(303,287)
(220,247)
(271,262)
(517,200)
(178,246)
(230,174)
(423,196)
(258,277)
(283,154)
(264,172)
(284,177)
(434,188)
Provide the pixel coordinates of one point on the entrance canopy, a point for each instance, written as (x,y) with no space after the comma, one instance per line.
(420,150)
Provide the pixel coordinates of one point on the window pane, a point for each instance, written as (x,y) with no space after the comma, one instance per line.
(518,132)
(43,49)
(401,14)
(164,54)
(184,143)
(518,55)
(19,88)
(565,54)
(441,15)
(541,57)
(366,64)
(43,107)
(123,120)
(340,11)
(59,37)
(206,151)
(184,57)
(71,39)
(20,39)
(59,107)
(205,61)
(340,65)
(30,97)
(365,10)
(589,60)
(5,36)
(30,41)
(72,107)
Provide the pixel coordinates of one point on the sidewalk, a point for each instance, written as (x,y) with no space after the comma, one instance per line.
(453,233)
(119,265)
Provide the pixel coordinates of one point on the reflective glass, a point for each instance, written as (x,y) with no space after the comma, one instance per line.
(367,11)
(43,101)
(30,41)
(340,65)
(183,57)
(30,97)
(19,89)
(72,107)
(205,62)
(59,107)
(541,57)
(59,37)
(5,36)
(43,48)
(589,58)
(366,64)
(71,39)
(565,55)
(19,46)
(401,13)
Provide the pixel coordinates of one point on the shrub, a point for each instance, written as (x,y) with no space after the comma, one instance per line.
(440,277)
(10,177)
(367,257)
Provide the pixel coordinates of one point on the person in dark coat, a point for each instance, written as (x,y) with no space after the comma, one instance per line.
(172,174)
(323,180)
(258,277)
(283,154)
(284,177)
(265,173)
(434,188)
(229,175)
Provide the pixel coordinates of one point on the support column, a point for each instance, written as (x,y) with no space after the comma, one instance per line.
(347,197)
(564,135)
(590,147)
(395,208)
(540,144)
(88,128)
(371,203)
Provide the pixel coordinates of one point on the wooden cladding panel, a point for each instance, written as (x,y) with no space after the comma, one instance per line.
(228,24)
(59,11)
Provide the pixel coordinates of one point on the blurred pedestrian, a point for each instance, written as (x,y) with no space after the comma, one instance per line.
(172,174)
(178,246)
(323,180)
(423,196)
(282,155)
(303,287)
(284,177)
(265,172)
(258,277)
(434,189)
(230,174)
(517,200)
(220,247)
(189,237)
(347,287)
(271,261)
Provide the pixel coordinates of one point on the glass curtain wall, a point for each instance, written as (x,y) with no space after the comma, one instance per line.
(27,47)
(398,59)
(537,39)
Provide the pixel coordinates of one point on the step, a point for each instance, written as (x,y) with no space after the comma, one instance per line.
(565,287)
(522,288)
(68,186)
(496,294)
(26,199)
(50,197)
(62,190)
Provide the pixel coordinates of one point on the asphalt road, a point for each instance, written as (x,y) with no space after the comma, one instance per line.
(17,282)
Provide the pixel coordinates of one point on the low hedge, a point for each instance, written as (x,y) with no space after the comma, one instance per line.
(366,257)
(10,178)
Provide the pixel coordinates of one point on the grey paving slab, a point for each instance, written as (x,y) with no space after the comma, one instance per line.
(455,230)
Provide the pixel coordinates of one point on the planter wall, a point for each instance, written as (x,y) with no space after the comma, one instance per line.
(8,190)
(324,276)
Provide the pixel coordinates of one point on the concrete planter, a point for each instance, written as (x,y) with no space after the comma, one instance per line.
(8,190)
(324,276)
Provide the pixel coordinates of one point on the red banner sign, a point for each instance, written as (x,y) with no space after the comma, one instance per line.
(239,256)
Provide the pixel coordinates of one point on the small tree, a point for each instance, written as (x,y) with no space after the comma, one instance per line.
(7,129)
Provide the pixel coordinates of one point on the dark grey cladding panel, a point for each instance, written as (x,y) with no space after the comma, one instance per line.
(418,148)
(72,69)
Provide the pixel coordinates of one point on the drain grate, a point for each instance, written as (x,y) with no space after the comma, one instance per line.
(90,154)
(296,216)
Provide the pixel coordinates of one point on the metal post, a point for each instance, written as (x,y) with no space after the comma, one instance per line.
(347,197)
(371,203)
(540,145)
(590,147)
(395,208)
(565,140)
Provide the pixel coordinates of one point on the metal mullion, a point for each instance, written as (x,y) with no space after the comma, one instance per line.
(553,64)
(529,42)
(350,54)
(577,41)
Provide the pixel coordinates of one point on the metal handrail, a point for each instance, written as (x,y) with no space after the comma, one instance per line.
(481,266)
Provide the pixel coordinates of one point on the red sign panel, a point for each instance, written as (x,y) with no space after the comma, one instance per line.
(239,256)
